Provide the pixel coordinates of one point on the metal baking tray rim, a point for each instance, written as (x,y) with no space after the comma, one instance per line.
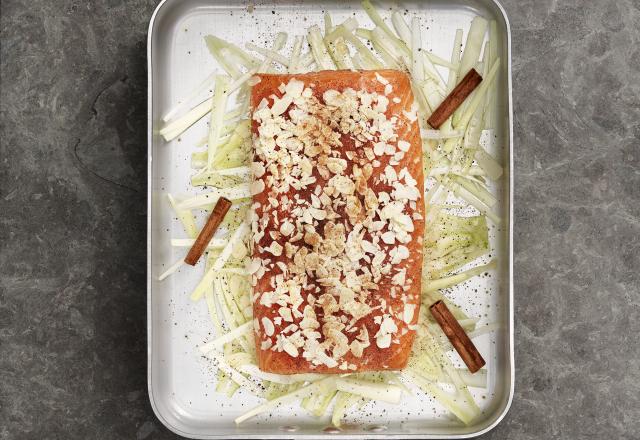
(156,408)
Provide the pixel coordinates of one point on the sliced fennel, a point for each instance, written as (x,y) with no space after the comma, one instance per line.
(470,56)
(432,359)
(476,380)
(366,57)
(463,408)
(326,383)
(234,374)
(266,66)
(376,18)
(416,48)
(328,23)
(402,29)
(172,269)
(186,218)
(213,309)
(455,61)
(490,102)
(344,401)
(394,379)
(177,127)
(319,50)
(444,170)
(435,59)
(490,166)
(201,200)
(218,106)
(228,337)
(471,198)
(370,390)
(295,55)
(340,53)
(219,263)
(306,61)
(452,280)
(253,370)
(274,55)
(473,45)
(217,48)
(439,134)
(452,241)
(203,86)
(316,404)
(215,243)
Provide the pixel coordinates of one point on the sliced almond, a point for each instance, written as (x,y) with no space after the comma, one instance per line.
(268,326)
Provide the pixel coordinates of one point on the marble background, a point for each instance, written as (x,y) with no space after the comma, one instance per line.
(73,206)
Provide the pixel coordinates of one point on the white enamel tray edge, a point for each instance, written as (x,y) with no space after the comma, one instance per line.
(174,415)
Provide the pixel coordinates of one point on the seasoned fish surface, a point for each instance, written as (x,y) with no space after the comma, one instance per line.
(338,221)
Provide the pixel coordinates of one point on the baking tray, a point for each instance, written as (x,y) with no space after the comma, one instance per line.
(181,385)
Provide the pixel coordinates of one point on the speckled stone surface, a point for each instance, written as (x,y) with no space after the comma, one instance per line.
(72,220)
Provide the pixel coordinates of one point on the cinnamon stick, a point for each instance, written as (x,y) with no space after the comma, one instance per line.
(205,235)
(459,339)
(457,96)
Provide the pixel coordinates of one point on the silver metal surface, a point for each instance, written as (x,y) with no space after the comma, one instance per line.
(181,385)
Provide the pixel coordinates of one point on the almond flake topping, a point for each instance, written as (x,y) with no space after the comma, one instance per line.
(267,325)
(320,210)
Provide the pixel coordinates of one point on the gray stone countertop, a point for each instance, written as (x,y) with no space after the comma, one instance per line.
(73,207)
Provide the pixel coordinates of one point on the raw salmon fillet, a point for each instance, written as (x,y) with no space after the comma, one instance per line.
(338,221)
